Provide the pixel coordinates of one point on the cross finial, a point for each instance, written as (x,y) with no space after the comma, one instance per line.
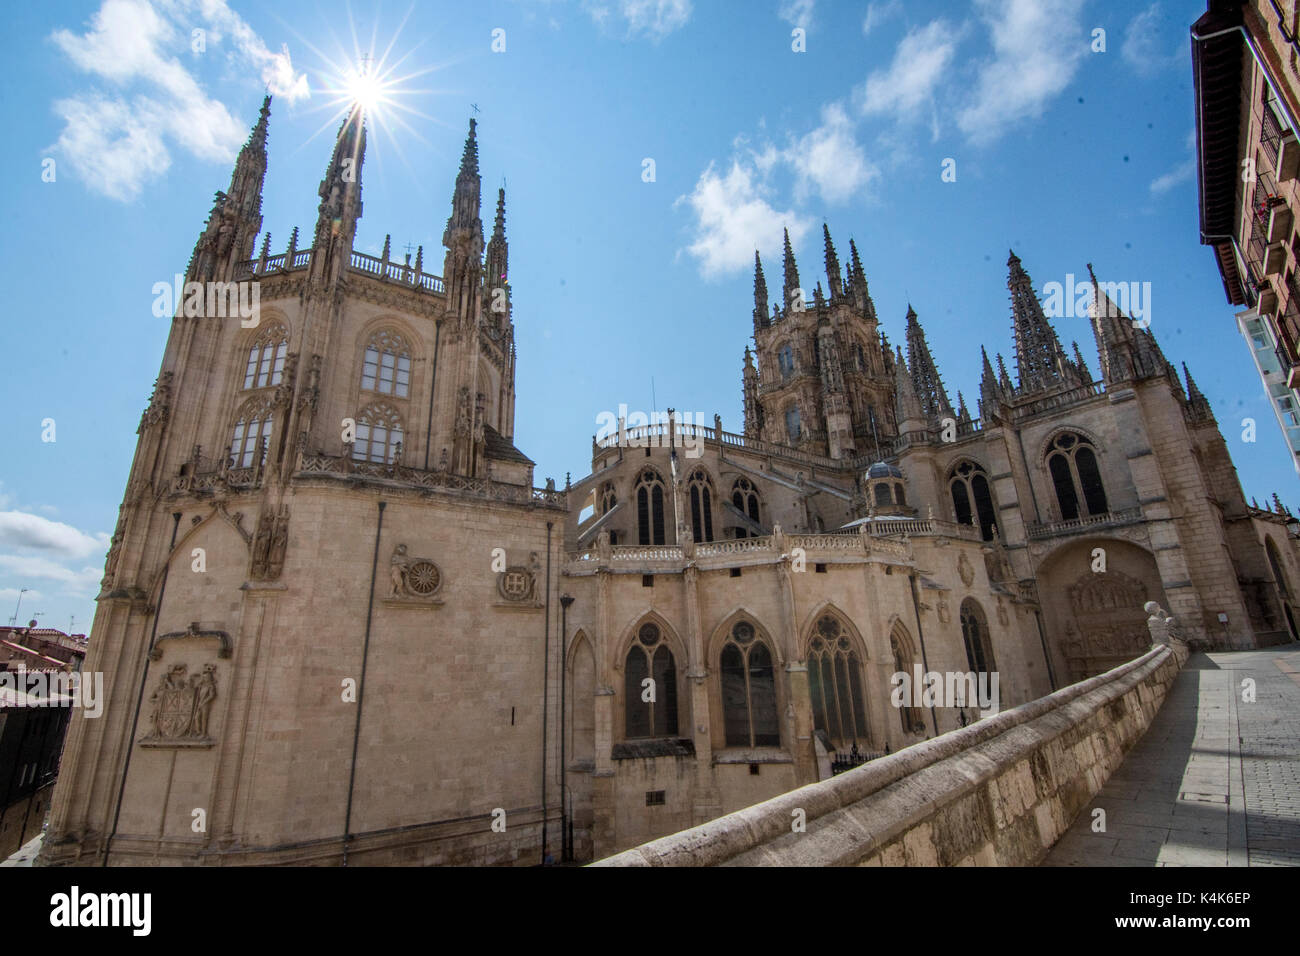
(474,107)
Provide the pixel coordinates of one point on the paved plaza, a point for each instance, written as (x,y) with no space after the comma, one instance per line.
(1216,779)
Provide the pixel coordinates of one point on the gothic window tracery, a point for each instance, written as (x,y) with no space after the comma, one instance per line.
(745,498)
(972,498)
(378,434)
(649,710)
(650,508)
(266,358)
(1076,477)
(785,361)
(701,487)
(251,438)
(748,685)
(793,428)
(386,367)
(900,646)
(835,684)
(975,635)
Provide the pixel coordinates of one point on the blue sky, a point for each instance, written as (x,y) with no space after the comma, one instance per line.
(625,291)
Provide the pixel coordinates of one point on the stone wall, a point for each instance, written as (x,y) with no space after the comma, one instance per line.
(997,793)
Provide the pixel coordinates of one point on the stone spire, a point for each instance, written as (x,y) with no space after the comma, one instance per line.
(832,265)
(1039,357)
(858,281)
(497,264)
(925,376)
(792,285)
(963,414)
(762,319)
(340,195)
(463,237)
(1004,380)
(1197,403)
(1128,350)
(753,409)
(909,410)
(230,234)
(1080,364)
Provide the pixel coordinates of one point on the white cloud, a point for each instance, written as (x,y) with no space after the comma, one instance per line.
(797,13)
(1179,174)
(734,217)
(1141,47)
(653,18)
(878,13)
(831,158)
(908,83)
(1038,46)
(119,142)
(77,582)
(19,529)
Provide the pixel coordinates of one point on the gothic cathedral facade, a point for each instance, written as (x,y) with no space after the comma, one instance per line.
(338,622)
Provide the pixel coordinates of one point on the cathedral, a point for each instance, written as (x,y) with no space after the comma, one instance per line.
(339,624)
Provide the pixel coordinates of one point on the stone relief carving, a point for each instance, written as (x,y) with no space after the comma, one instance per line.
(965,570)
(411,579)
(522,585)
(270,542)
(180,707)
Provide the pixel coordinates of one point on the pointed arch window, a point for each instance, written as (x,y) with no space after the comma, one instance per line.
(744,496)
(266,358)
(251,438)
(972,497)
(975,634)
(793,427)
(387,365)
(608,499)
(650,508)
(748,690)
(649,709)
(1076,477)
(378,435)
(701,505)
(785,361)
(835,684)
(900,646)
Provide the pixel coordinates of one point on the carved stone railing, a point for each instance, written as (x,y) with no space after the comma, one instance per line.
(382,269)
(722,551)
(343,468)
(237,479)
(1111,519)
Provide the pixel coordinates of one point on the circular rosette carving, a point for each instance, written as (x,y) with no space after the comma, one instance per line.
(516,584)
(423,578)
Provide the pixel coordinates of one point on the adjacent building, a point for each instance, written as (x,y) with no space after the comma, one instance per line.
(1246,70)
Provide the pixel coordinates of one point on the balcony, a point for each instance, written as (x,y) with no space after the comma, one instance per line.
(1088,525)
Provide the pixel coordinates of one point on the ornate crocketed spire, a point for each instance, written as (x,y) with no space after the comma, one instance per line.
(1080,364)
(761,317)
(496,265)
(230,234)
(908,405)
(1197,403)
(792,285)
(861,294)
(1004,380)
(463,236)
(340,190)
(963,415)
(925,376)
(1039,357)
(832,265)
(753,408)
(1127,349)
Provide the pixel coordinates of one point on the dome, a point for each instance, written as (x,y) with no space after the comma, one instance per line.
(883,469)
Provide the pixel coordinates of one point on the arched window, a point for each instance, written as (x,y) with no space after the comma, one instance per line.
(899,499)
(252,435)
(378,435)
(883,497)
(607,498)
(650,508)
(266,358)
(785,361)
(968,482)
(900,645)
(793,427)
(387,365)
(748,690)
(745,497)
(835,683)
(701,505)
(650,709)
(1076,477)
(975,634)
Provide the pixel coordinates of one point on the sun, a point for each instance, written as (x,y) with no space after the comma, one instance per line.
(363,89)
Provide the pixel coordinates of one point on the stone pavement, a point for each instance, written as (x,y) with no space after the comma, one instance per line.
(1216,779)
